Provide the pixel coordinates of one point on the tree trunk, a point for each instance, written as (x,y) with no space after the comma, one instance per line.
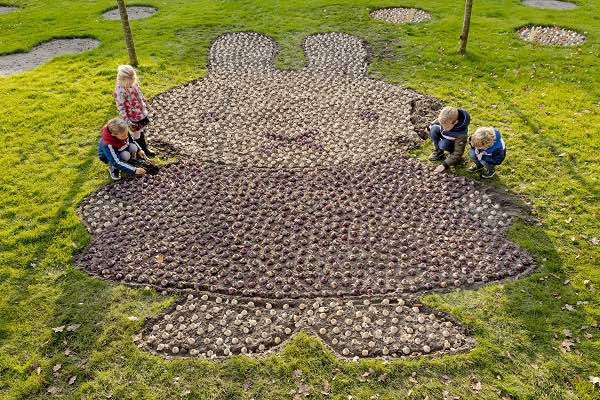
(466,25)
(127,32)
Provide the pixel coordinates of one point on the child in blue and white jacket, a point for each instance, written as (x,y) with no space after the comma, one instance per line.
(116,148)
(487,151)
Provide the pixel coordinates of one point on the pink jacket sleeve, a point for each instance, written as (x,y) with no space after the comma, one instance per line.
(119,96)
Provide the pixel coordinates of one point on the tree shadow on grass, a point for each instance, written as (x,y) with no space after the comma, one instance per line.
(73,305)
(545,142)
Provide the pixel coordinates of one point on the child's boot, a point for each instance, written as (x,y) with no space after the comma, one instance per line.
(475,167)
(115,174)
(488,172)
(437,155)
(144,146)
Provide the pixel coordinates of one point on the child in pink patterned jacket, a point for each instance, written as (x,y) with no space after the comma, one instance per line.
(131,105)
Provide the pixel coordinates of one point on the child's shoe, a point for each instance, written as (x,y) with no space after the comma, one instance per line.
(115,174)
(488,172)
(437,155)
(475,168)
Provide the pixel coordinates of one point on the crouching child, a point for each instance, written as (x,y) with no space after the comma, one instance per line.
(487,151)
(449,134)
(116,148)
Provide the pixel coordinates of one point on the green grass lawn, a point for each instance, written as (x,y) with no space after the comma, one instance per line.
(544,99)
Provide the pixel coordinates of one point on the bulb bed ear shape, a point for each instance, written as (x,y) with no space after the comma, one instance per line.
(326,53)
(242,52)
(337,53)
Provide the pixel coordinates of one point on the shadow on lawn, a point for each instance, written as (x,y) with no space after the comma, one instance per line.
(81,301)
(545,142)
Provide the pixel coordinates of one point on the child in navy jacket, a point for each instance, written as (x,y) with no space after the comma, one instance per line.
(449,133)
(116,148)
(487,151)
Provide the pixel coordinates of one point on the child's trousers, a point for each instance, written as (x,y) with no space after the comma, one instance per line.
(486,161)
(126,155)
(440,142)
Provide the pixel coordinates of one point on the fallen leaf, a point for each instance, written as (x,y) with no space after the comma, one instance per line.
(186,392)
(59,328)
(594,380)
(476,385)
(568,307)
(326,387)
(53,390)
(72,379)
(382,377)
(68,353)
(303,389)
(297,373)
(594,241)
(73,328)
(567,333)
(566,344)
(38,370)
(132,318)
(56,367)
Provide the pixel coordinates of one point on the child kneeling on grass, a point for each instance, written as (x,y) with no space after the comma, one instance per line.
(487,151)
(449,133)
(116,148)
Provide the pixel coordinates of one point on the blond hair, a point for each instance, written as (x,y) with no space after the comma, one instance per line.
(448,114)
(117,125)
(126,74)
(483,137)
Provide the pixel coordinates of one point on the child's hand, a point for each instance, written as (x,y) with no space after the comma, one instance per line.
(143,155)
(140,171)
(440,168)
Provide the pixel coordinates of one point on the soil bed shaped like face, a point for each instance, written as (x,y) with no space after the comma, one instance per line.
(551,36)
(21,62)
(401,15)
(550,4)
(7,9)
(133,12)
(294,206)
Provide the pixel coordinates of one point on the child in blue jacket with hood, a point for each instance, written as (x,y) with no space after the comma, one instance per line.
(449,133)
(487,151)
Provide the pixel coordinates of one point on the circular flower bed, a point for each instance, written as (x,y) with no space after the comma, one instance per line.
(401,15)
(551,36)
(21,62)
(7,9)
(133,12)
(550,4)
